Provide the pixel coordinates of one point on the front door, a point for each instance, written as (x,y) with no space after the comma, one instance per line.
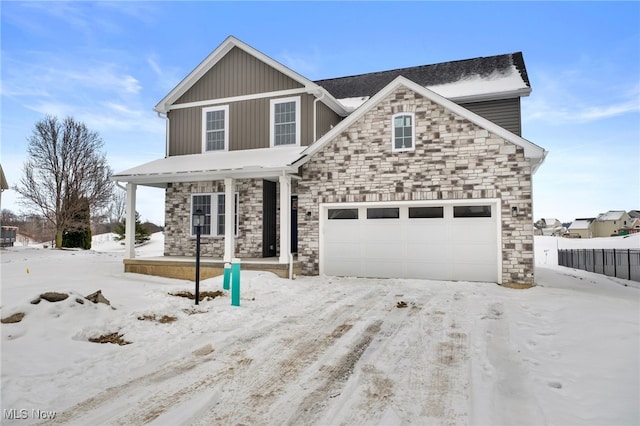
(269,202)
(294,224)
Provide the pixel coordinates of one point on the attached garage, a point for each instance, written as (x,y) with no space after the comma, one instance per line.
(443,240)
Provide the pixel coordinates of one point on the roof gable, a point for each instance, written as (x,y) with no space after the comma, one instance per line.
(531,151)
(220,52)
(585,223)
(611,215)
(227,78)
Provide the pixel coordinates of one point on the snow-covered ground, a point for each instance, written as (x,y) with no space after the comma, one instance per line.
(317,350)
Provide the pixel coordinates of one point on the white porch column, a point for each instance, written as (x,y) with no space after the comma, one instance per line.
(285,218)
(130,229)
(229,219)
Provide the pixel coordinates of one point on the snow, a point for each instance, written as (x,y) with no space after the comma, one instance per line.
(581,224)
(317,350)
(245,160)
(504,81)
(353,103)
(611,215)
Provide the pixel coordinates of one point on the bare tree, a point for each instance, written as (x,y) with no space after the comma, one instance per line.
(118,207)
(65,164)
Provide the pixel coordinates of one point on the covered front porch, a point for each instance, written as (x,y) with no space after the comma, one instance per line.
(214,178)
(184,267)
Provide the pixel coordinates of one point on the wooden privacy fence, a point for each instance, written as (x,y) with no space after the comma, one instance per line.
(619,263)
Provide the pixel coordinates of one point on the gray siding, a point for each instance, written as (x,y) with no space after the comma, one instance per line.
(504,112)
(237,74)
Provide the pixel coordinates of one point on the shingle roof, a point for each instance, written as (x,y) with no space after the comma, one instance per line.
(582,223)
(611,215)
(426,75)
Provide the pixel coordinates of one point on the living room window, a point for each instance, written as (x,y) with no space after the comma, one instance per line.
(285,121)
(403,132)
(215,128)
(213,207)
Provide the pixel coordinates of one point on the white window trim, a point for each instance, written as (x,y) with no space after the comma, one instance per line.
(413,132)
(214,214)
(272,124)
(224,108)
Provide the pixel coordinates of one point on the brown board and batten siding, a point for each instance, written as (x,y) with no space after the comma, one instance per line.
(249,125)
(326,118)
(237,74)
(504,112)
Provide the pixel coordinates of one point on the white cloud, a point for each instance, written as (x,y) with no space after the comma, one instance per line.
(572,97)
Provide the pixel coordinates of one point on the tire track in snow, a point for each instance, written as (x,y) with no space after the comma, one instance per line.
(424,353)
(269,381)
(131,403)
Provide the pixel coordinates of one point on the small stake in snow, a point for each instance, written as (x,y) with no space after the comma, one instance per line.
(227,276)
(198,221)
(235,282)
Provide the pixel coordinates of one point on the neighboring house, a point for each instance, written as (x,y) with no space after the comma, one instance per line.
(633,226)
(550,227)
(609,224)
(634,214)
(418,172)
(3,185)
(582,228)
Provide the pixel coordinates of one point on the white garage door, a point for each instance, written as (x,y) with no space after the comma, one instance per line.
(430,241)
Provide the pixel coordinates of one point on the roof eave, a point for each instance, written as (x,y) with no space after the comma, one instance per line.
(509,94)
(161,180)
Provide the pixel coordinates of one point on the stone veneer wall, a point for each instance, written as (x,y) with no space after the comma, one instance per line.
(453,159)
(178,240)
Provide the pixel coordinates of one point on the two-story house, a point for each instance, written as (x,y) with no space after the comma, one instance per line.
(418,172)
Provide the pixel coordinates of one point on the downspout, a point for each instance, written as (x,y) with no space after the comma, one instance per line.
(166,142)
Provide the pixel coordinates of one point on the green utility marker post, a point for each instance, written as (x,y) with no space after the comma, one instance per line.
(227,276)
(235,282)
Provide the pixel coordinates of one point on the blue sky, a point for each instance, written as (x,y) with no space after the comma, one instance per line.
(109,63)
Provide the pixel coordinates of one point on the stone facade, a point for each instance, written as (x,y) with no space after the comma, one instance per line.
(453,159)
(180,242)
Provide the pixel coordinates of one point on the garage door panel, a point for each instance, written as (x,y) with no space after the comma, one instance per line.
(442,248)
(474,272)
(350,250)
(344,268)
(417,231)
(474,254)
(426,253)
(381,233)
(382,251)
(428,271)
(468,232)
(383,269)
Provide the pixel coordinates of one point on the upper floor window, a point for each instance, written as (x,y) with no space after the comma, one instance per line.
(403,132)
(215,128)
(285,121)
